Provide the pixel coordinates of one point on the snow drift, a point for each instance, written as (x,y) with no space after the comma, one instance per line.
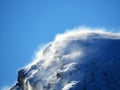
(82,59)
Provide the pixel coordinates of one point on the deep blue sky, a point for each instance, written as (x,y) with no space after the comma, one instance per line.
(25,24)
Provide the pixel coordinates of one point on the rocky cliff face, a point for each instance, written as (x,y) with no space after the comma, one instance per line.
(76,60)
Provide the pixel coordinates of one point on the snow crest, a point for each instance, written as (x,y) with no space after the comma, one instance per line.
(81,59)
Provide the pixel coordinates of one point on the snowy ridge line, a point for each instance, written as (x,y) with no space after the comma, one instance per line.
(81,59)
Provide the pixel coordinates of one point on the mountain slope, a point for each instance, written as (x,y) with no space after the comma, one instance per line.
(75,60)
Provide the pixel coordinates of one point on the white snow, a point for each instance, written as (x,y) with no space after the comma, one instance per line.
(70,85)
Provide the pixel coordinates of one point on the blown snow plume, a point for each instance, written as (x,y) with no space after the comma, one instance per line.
(82,59)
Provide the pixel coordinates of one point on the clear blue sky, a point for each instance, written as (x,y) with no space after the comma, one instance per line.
(25,24)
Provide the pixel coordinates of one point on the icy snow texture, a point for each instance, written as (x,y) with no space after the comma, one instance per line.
(82,59)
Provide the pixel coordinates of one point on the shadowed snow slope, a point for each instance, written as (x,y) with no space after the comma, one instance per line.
(82,59)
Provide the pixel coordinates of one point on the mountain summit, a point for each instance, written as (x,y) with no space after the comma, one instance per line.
(76,60)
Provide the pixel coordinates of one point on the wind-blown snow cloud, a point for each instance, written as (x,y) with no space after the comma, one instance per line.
(73,34)
(82,31)
(72,57)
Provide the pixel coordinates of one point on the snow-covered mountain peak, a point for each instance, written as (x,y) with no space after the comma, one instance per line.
(76,60)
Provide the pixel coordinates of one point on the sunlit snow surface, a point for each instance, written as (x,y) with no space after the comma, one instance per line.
(82,59)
